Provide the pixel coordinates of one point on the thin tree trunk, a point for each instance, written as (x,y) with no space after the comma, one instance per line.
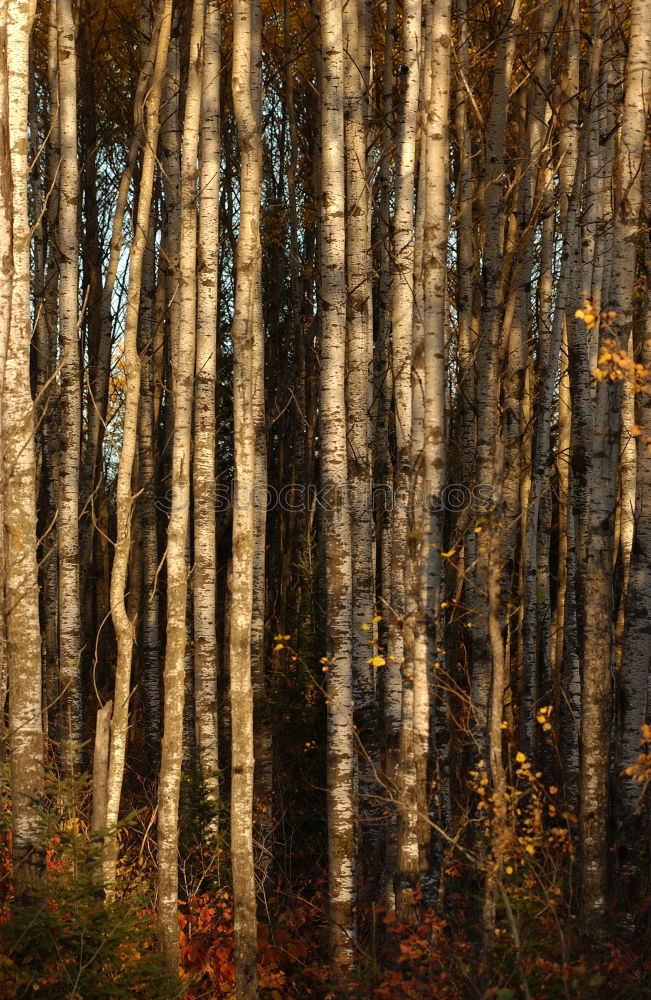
(334,476)
(150,640)
(358,402)
(205,548)
(6,281)
(19,483)
(402,315)
(262,734)
(435,243)
(124,496)
(183,369)
(247,390)
(487,355)
(70,395)
(598,642)
(636,660)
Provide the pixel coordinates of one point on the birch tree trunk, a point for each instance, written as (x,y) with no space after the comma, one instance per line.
(124,496)
(247,388)
(359,335)
(6,280)
(636,659)
(334,477)
(19,483)
(598,642)
(46,303)
(262,737)
(383,471)
(147,456)
(402,315)
(205,549)
(435,246)
(183,372)
(70,395)
(487,354)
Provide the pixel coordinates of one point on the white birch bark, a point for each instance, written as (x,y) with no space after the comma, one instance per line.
(626,506)
(183,373)
(334,477)
(262,737)
(383,470)
(205,549)
(402,315)
(19,484)
(636,659)
(70,393)
(435,247)
(487,354)
(359,385)
(6,280)
(124,496)
(598,639)
(146,508)
(246,336)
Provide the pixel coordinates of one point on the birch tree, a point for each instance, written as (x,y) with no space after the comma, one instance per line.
(359,384)
(636,664)
(247,390)
(205,541)
(598,642)
(402,307)
(19,481)
(183,373)
(124,495)
(70,390)
(334,477)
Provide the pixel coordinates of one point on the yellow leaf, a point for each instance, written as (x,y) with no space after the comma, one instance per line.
(377,661)
(520,757)
(365,627)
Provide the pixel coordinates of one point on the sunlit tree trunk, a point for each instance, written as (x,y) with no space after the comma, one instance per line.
(598,642)
(262,737)
(70,394)
(247,388)
(436,65)
(124,494)
(402,316)
(636,659)
(149,631)
(46,305)
(205,554)
(567,653)
(183,374)
(487,387)
(19,485)
(626,505)
(334,476)
(6,276)
(358,401)
(383,470)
